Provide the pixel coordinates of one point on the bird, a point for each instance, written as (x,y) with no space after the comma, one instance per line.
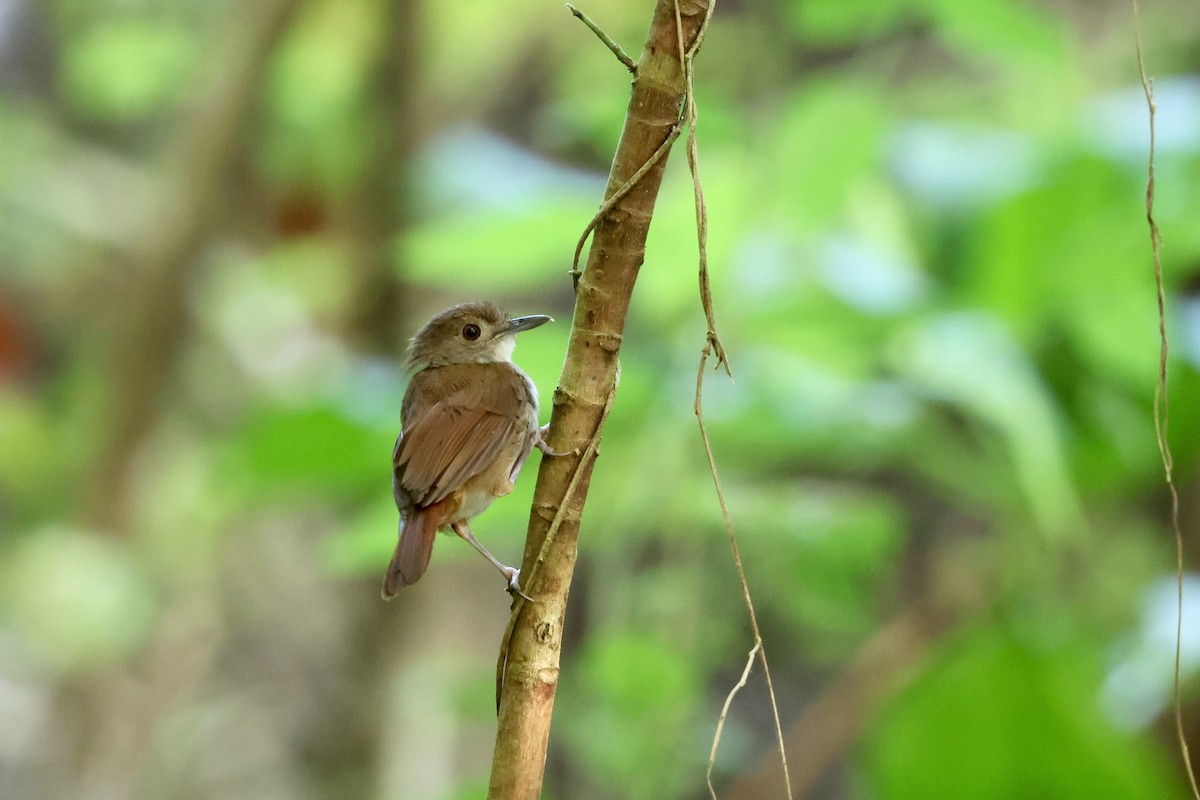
(469,421)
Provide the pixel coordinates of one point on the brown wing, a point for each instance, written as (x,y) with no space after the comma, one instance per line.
(446,443)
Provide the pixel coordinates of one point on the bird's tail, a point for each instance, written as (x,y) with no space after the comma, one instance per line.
(412,551)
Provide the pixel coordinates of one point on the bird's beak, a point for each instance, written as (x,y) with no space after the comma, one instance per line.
(519,324)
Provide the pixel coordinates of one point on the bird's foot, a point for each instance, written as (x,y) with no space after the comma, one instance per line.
(540,443)
(513,574)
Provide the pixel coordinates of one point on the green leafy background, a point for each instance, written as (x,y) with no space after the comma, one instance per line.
(932,273)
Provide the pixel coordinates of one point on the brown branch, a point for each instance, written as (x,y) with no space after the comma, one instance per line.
(1161,415)
(621,55)
(585,388)
(691,116)
(589,453)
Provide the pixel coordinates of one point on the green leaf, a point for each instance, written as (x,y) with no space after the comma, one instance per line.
(820,550)
(993,719)
(316,125)
(828,140)
(365,545)
(30,477)
(970,361)
(632,702)
(517,250)
(836,21)
(314,447)
(126,69)
(1007,28)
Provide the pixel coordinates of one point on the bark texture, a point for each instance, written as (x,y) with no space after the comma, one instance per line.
(585,389)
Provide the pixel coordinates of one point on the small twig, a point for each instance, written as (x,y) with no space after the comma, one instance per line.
(621,55)
(616,197)
(741,684)
(519,601)
(1160,402)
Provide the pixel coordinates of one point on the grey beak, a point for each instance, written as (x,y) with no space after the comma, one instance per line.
(518,324)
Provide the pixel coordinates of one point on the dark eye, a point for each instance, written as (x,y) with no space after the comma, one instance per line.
(471,332)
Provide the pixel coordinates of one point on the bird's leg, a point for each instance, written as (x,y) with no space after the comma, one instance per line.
(539,442)
(511,574)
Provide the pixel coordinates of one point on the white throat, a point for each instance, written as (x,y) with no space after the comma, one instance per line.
(501,350)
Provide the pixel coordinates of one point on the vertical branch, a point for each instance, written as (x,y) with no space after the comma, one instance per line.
(530,655)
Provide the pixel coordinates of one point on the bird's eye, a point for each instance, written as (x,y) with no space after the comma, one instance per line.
(471,332)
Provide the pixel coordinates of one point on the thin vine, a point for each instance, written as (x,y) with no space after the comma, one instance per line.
(714,348)
(1161,405)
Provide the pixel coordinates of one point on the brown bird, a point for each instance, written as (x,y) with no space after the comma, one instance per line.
(469,421)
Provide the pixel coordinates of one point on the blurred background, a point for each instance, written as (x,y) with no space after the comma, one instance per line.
(219,223)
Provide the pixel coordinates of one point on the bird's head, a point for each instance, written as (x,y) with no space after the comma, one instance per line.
(469,333)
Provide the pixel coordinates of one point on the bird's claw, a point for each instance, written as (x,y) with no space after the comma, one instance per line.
(540,443)
(513,574)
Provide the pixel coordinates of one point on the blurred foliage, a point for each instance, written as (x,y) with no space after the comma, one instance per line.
(999,718)
(931,271)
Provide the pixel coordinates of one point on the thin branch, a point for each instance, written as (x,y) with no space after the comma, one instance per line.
(621,55)
(737,687)
(1161,415)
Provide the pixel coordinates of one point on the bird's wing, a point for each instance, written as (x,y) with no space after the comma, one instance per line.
(445,444)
